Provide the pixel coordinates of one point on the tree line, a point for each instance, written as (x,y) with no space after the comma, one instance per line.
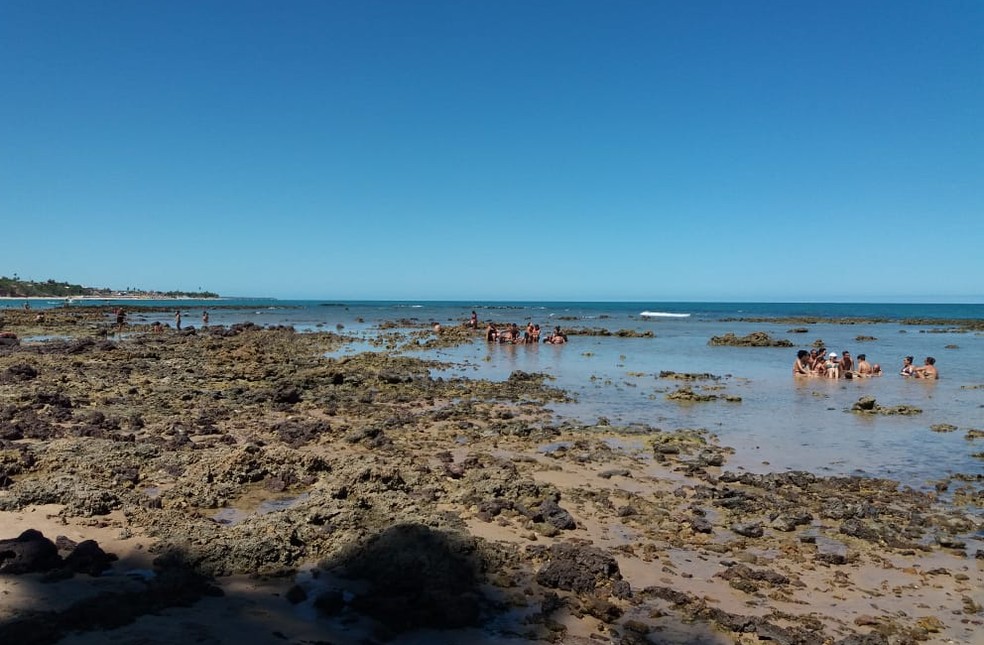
(16,288)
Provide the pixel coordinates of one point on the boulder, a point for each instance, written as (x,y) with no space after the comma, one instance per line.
(29,552)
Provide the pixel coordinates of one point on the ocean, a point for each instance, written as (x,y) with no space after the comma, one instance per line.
(780,423)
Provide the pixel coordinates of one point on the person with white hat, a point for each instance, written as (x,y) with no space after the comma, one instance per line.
(832,366)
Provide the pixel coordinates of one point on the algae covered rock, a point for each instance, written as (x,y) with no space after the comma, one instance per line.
(868,405)
(754,339)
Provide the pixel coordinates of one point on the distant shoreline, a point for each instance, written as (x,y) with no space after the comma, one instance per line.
(90,298)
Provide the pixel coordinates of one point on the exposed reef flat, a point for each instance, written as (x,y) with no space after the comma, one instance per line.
(253,488)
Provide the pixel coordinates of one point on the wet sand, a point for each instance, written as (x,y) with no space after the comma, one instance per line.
(256,491)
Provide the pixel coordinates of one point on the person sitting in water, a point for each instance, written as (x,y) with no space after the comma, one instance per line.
(846,363)
(491,333)
(831,367)
(557,338)
(927,370)
(536,333)
(528,334)
(514,333)
(817,361)
(866,369)
(801,366)
(907,366)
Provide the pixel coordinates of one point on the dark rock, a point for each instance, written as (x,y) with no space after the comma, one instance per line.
(602,609)
(786,635)
(687,394)
(578,568)
(831,557)
(872,638)
(754,339)
(684,376)
(868,405)
(858,529)
(18,373)
(700,525)
(88,557)
(744,572)
(554,515)
(750,529)
(865,404)
(615,472)
(30,551)
(789,521)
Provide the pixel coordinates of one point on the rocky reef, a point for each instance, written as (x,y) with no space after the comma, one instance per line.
(388,501)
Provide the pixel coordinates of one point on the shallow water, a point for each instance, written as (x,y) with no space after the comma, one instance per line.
(781,423)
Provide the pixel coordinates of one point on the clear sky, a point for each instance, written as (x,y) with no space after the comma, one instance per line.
(499,150)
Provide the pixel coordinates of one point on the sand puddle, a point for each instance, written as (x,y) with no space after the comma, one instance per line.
(233,515)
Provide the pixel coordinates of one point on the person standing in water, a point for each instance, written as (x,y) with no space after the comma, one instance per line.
(177,319)
(205,317)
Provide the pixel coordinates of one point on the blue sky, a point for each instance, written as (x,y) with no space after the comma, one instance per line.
(497,150)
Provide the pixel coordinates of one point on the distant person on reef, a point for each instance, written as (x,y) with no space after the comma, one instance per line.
(205,317)
(177,320)
(473,321)
(867,369)
(437,328)
(927,370)
(120,318)
(907,366)
(801,366)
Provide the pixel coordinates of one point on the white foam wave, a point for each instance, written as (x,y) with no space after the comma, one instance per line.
(663,314)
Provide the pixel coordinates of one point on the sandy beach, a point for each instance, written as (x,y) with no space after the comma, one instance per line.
(251,489)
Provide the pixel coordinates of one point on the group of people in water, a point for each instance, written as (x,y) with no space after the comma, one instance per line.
(511,334)
(817,363)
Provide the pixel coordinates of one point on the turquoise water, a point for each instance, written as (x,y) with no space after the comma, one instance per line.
(781,423)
